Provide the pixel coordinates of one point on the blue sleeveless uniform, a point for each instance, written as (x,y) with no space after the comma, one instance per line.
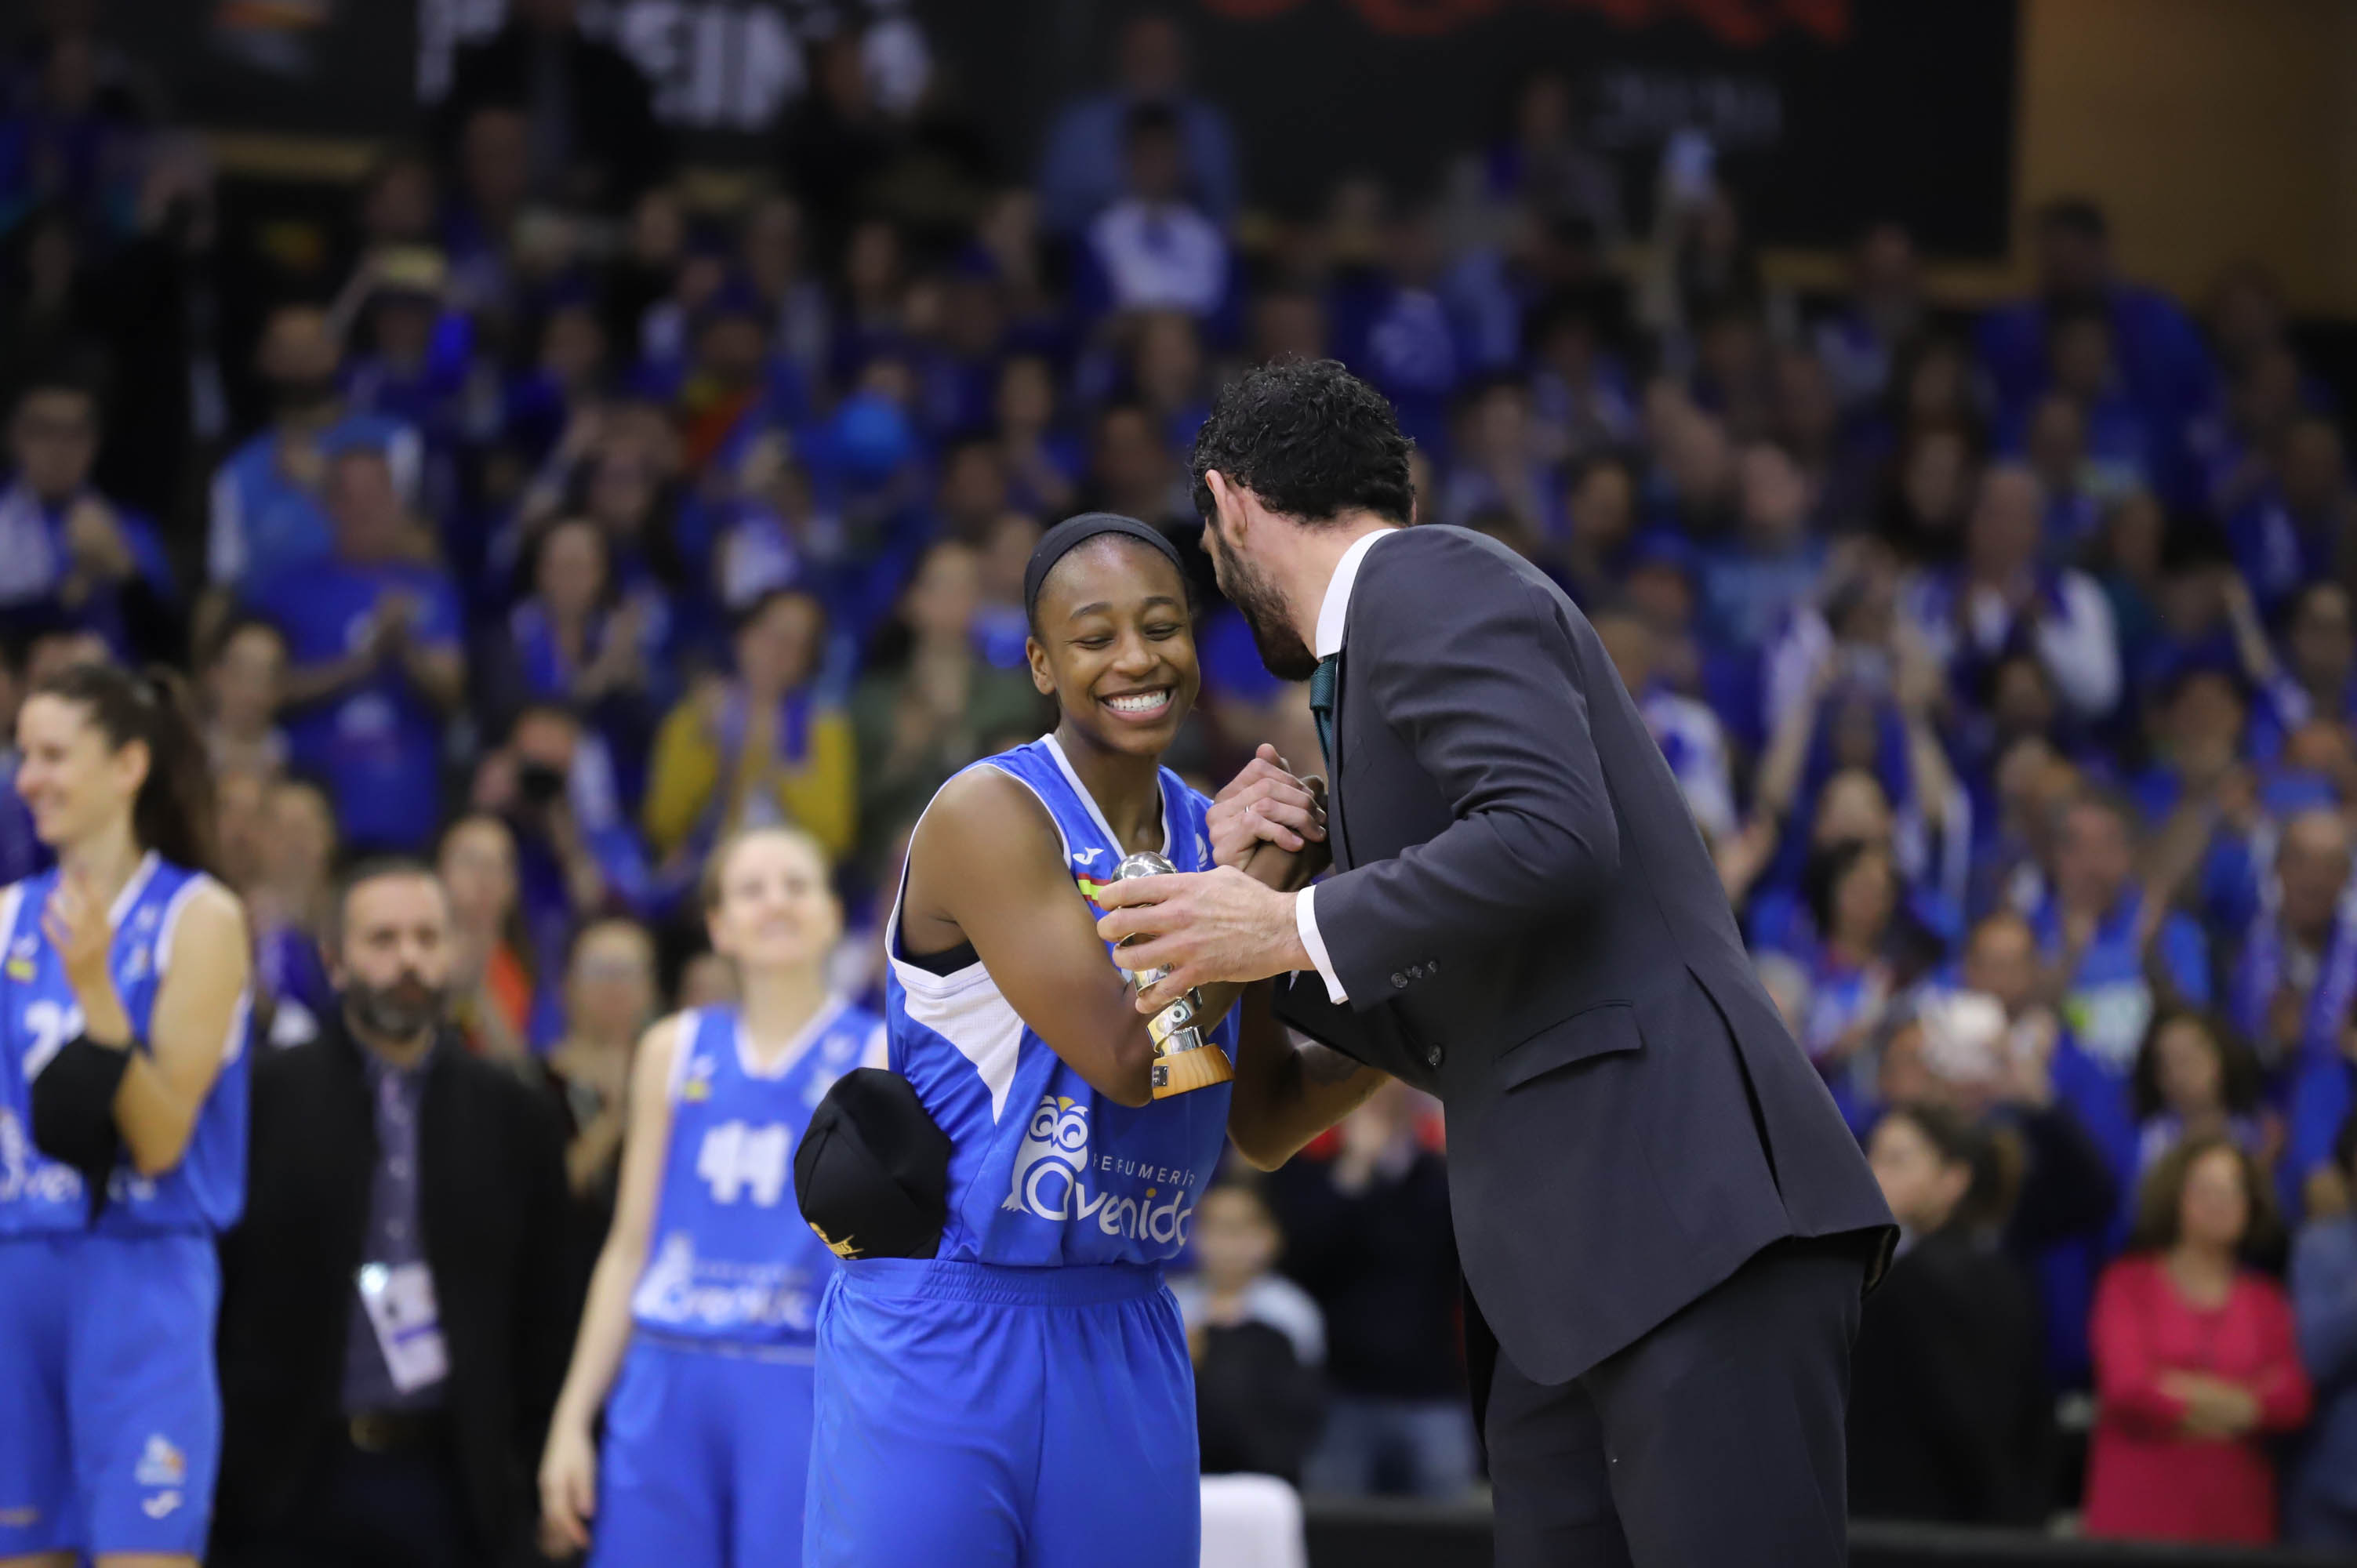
(708,1429)
(112,1436)
(1026,1397)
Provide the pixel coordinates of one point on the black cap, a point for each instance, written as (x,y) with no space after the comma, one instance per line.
(872,1172)
(1074,532)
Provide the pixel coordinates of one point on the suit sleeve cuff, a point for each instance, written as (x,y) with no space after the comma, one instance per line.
(1304,920)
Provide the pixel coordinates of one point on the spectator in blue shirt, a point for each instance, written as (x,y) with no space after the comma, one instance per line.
(267,507)
(2054,443)
(1132,471)
(583,638)
(2001,598)
(561,381)
(1860,342)
(2320,1503)
(1153,249)
(2162,363)
(2195,1079)
(1081,173)
(244,685)
(1772,565)
(972,492)
(2315,679)
(1580,394)
(1689,734)
(2297,528)
(2119,956)
(1498,463)
(577,853)
(1599,507)
(1043,460)
(67,548)
(2123,449)
(373,637)
(1167,374)
(1393,325)
(418,366)
(2234,442)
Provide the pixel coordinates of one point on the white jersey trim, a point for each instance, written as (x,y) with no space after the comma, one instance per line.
(166,930)
(133,888)
(1096,812)
(796,1049)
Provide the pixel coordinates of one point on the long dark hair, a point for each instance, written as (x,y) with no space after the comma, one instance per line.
(2239,1075)
(173,812)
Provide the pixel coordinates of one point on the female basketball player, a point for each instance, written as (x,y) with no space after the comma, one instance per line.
(707,1293)
(122,1027)
(1025,1397)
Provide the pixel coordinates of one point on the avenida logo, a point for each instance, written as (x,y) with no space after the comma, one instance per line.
(1056,1145)
(1050,1181)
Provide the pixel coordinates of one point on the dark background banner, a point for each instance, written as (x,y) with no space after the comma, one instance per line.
(1827,112)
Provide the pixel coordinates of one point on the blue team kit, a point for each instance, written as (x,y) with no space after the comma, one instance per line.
(111,1435)
(1024,1397)
(708,1428)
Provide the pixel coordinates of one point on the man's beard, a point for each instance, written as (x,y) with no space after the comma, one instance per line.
(401,1011)
(1264,610)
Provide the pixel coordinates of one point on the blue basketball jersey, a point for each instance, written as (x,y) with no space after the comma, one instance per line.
(1043,1171)
(38,1015)
(730,1260)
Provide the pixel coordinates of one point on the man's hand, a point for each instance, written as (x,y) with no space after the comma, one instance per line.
(1270,824)
(1265,803)
(1203,926)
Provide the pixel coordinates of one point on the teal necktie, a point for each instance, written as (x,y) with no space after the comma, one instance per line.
(1321,702)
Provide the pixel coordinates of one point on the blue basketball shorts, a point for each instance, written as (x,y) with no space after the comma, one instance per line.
(1002,1418)
(110,1416)
(705,1454)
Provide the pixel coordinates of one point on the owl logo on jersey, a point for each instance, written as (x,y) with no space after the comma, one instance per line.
(161,1464)
(1057,1143)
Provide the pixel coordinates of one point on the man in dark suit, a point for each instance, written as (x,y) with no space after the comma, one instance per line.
(393,1321)
(1664,1227)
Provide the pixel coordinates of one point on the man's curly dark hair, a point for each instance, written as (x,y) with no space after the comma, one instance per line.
(1311,440)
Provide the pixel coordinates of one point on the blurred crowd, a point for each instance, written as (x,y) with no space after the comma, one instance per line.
(567,523)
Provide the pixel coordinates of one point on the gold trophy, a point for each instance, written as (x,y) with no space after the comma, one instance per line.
(1183,1059)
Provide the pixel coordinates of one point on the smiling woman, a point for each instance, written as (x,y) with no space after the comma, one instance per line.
(1070,1185)
(123,1110)
(1119,689)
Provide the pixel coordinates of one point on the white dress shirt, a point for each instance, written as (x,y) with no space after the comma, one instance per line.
(1333,614)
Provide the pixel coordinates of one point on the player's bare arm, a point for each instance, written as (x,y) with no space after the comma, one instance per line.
(986,867)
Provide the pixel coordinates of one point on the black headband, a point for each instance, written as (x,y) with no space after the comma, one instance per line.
(1074,532)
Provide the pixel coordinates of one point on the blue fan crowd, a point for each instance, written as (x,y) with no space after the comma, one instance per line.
(539,516)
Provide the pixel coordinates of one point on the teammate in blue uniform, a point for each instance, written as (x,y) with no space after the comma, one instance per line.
(123,1030)
(706,1298)
(1025,1397)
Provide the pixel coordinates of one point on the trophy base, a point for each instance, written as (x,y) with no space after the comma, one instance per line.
(1183,1072)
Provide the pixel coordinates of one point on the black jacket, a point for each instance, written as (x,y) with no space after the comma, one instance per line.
(1949,1418)
(492,1208)
(1529,926)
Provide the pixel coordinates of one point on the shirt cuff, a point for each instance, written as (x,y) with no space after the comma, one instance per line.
(1305,920)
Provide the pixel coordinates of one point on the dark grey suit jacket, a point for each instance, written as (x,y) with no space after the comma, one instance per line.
(1530,927)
